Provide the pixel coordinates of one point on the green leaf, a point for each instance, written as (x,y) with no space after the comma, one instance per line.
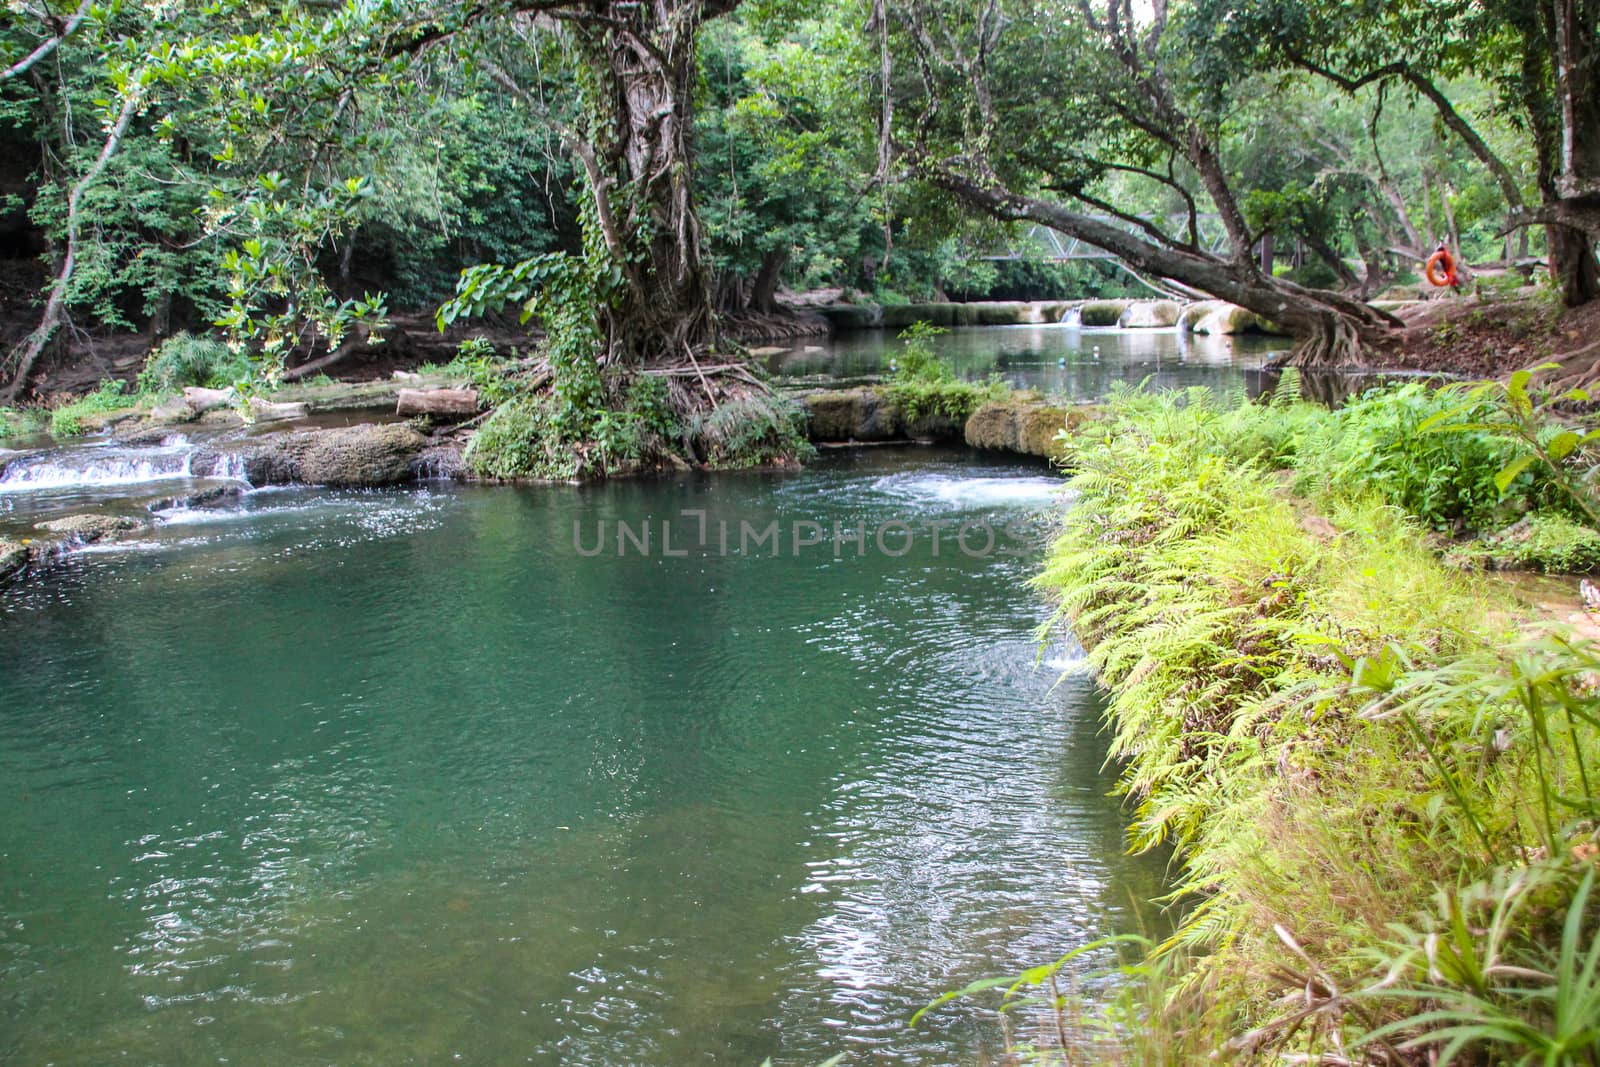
(1562,445)
(1509,472)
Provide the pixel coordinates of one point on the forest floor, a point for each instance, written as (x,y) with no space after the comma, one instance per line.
(1472,337)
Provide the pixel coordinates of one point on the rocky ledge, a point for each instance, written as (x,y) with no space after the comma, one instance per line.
(363,455)
(1023,423)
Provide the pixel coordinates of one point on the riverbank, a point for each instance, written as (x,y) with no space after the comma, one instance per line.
(1375,769)
(356,435)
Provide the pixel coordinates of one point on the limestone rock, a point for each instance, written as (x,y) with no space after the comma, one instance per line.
(368,454)
(1150,314)
(88,528)
(859,414)
(1024,425)
(1102,312)
(1219,318)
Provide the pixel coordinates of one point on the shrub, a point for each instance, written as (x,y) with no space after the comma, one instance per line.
(1543,542)
(924,385)
(184,360)
(752,431)
(520,440)
(1376,444)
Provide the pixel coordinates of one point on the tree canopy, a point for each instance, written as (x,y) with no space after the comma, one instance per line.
(291,174)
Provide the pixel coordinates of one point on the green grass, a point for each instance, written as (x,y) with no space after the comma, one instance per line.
(68,420)
(1326,724)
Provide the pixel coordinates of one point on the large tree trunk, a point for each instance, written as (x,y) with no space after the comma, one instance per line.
(1559,49)
(764,292)
(1572,264)
(645,53)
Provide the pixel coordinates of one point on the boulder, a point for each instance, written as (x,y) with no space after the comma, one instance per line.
(368,454)
(89,528)
(1023,424)
(13,558)
(1150,314)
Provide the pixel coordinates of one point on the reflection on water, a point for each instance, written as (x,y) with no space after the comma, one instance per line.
(401,777)
(1063,360)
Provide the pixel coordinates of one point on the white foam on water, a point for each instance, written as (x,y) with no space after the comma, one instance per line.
(97,466)
(971,493)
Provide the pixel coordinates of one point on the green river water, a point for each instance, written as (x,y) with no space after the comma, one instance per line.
(421,776)
(406,778)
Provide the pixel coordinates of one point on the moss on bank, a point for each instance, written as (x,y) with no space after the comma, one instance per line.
(1342,737)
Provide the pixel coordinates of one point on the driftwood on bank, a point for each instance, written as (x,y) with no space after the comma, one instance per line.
(198,401)
(461,402)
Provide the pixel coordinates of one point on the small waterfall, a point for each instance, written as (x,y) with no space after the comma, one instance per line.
(1073,318)
(231,466)
(98,465)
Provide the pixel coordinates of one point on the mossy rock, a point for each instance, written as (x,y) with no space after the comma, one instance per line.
(860,414)
(1150,314)
(993,426)
(1102,312)
(89,528)
(360,455)
(13,558)
(1037,429)
(368,454)
(1024,425)
(936,425)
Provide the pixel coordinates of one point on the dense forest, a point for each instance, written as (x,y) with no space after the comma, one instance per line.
(296,175)
(553,239)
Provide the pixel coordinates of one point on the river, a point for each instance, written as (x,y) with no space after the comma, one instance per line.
(694,770)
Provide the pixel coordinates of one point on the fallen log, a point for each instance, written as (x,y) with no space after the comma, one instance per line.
(462,402)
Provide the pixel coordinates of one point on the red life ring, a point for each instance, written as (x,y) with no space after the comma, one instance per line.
(1445,265)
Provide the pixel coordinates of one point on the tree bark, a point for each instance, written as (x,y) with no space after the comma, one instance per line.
(646,55)
(764,293)
(55,308)
(1572,264)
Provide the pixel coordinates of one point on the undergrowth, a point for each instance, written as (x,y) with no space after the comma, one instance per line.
(924,386)
(67,420)
(21,422)
(1380,787)
(184,360)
